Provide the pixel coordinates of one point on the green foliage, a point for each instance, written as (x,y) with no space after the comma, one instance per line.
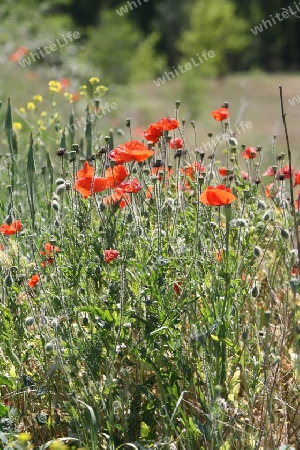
(214,26)
(117,50)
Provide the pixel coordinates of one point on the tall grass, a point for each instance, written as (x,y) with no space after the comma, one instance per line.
(187,340)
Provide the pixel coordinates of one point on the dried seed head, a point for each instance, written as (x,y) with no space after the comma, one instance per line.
(61,151)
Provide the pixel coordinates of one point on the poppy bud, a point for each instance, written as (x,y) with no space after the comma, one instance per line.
(284,233)
(72,156)
(29,321)
(232,141)
(75,148)
(266,217)
(55,205)
(257,251)
(210,134)
(294,284)
(60,189)
(8,281)
(177,103)
(49,347)
(261,205)
(254,292)
(128,122)
(259,148)
(233,150)
(59,181)
(85,321)
(193,123)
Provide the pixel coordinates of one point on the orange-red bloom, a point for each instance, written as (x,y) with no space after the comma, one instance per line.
(12,228)
(131,186)
(131,151)
(269,172)
(244,175)
(249,153)
(192,169)
(178,287)
(65,83)
(115,175)
(272,190)
(153,134)
(49,251)
(34,280)
(110,255)
(117,197)
(176,143)
(167,124)
(88,185)
(286,172)
(220,114)
(218,196)
(223,171)
(19,53)
(297,178)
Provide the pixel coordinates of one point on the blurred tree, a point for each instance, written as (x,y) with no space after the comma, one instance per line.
(214,26)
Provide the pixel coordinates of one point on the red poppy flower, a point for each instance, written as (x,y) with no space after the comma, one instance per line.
(218,196)
(192,169)
(88,185)
(156,172)
(176,143)
(87,171)
(49,251)
(286,172)
(153,134)
(65,83)
(223,171)
(297,178)
(149,192)
(167,124)
(244,175)
(219,255)
(131,186)
(269,172)
(220,114)
(139,151)
(131,151)
(110,255)
(75,96)
(34,280)
(12,228)
(178,287)
(18,54)
(272,190)
(249,153)
(115,175)
(117,197)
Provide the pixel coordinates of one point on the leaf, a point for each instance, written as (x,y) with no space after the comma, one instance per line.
(3,410)
(215,338)
(144,430)
(5,381)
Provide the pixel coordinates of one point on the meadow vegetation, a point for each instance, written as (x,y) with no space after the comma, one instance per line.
(150,294)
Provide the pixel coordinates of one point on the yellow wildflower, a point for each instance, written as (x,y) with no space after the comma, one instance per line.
(22,110)
(30,106)
(37,98)
(17,126)
(100,90)
(94,80)
(54,86)
(44,113)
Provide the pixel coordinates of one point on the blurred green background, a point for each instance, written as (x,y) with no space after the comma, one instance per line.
(130,44)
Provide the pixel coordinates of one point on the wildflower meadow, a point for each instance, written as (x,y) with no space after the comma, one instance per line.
(150,288)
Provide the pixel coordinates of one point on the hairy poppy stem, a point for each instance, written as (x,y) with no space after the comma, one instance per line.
(283,114)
